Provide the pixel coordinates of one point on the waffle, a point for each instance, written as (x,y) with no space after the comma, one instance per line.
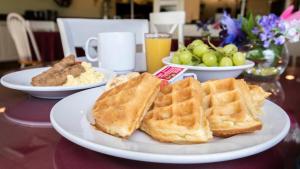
(120,110)
(177,115)
(229,107)
(258,96)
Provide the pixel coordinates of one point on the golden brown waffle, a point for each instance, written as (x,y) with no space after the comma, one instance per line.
(230,108)
(177,115)
(258,96)
(120,110)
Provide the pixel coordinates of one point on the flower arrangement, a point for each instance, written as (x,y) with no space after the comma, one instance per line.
(264,36)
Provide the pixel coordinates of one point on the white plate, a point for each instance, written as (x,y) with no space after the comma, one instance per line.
(21,80)
(70,118)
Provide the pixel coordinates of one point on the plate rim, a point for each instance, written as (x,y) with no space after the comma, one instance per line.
(249,64)
(51,88)
(172,158)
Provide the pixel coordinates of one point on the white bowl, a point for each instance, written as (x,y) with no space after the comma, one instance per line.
(210,73)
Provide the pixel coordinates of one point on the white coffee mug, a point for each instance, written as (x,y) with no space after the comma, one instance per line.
(115,51)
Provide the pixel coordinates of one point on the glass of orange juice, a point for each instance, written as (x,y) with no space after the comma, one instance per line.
(158,46)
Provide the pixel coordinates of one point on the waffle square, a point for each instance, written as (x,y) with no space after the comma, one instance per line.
(177,115)
(120,110)
(230,107)
(258,96)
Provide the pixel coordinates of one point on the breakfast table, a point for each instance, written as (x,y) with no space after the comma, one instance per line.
(29,142)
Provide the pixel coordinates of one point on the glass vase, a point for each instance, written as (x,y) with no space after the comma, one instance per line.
(270,63)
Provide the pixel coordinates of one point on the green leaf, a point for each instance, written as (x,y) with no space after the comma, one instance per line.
(277,49)
(257,18)
(251,22)
(244,24)
(255,54)
(248,23)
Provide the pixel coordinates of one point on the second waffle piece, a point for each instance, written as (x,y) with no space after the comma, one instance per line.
(177,115)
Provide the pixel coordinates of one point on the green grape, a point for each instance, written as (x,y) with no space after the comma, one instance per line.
(190,63)
(209,59)
(181,49)
(220,50)
(269,71)
(194,44)
(230,49)
(226,61)
(175,59)
(197,42)
(196,61)
(239,58)
(219,55)
(202,64)
(198,51)
(185,57)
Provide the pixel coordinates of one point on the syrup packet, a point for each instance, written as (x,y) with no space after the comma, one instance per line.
(170,73)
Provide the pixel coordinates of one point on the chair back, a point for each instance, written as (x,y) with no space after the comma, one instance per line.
(168,22)
(22,36)
(75,32)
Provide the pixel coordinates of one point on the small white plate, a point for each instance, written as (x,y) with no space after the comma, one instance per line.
(70,117)
(21,80)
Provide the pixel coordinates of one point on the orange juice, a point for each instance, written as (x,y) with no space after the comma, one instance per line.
(156,49)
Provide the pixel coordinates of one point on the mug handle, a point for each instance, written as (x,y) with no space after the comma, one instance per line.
(86,48)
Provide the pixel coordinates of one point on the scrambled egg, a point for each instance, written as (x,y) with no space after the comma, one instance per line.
(90,76)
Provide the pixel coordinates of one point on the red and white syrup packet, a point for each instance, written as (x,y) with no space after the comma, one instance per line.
(169,74)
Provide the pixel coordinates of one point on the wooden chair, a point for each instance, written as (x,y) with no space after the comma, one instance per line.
(22,36)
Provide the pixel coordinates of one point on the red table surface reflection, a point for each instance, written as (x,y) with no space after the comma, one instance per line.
(41,147)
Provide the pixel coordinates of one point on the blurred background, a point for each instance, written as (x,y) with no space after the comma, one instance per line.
(42,15)
(195,9)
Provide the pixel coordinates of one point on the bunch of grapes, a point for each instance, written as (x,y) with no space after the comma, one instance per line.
(198,53)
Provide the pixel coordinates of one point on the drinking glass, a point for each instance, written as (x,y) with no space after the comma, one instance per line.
(158,46)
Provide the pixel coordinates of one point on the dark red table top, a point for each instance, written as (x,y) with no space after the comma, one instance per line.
(40,147)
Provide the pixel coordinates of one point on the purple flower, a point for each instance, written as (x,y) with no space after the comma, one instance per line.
(273,17)
(263,36)
(270,30)
(233,28)
(268,22)
(281,27)
(263,21)
(255,30)
(279,40)
(270,35)
(266,44)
